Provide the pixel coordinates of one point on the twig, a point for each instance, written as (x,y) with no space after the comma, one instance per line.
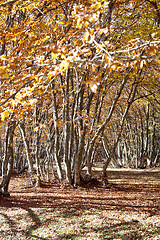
(8,3)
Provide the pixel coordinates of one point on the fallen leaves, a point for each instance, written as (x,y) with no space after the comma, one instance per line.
(89,212)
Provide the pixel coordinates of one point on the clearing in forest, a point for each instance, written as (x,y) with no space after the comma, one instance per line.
(128,208)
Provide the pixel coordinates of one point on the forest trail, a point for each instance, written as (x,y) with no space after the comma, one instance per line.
(128,208)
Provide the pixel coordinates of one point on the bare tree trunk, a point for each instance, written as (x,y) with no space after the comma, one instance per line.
(102,127)
(37,138)
(26,145)
(56,138)
(67,162)
(5,157)
(77,177)
(112,153)
(153,137)
(7,164)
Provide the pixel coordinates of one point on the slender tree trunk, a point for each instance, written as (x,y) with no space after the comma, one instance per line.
(56,138)
(153,136)
(37,138)
(102,127)
(7,164)
(67,162)
(27,150)
(5,157)
(112,153)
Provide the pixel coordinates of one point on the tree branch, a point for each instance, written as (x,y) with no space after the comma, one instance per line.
(14,94)
(8,3)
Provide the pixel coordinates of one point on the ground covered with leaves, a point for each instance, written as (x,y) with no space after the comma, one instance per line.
(128,208)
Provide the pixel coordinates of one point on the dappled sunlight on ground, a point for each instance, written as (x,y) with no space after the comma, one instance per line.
(122,210)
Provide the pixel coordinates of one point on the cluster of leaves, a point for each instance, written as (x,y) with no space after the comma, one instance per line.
(41,39)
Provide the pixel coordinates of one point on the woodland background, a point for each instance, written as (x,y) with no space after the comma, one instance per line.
(79,88)
(79,119)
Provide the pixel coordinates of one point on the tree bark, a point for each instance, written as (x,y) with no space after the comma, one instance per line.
(7,164)
(27,150)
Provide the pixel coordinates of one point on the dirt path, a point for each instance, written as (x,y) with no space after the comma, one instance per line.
(127,209)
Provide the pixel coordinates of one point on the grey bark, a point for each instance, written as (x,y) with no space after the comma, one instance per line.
(27,150)
(7,164)
(111,155)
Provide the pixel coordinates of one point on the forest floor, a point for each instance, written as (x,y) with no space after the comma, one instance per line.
(127,209)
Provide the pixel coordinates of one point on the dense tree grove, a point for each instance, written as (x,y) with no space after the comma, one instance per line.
(79,85)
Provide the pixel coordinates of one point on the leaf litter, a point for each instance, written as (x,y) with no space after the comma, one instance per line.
(122,210)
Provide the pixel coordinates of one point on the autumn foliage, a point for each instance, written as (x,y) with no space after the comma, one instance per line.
(70,71)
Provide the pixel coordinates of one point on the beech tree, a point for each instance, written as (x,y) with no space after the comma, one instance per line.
(66,67)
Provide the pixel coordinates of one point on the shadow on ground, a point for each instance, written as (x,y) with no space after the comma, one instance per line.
(57,211)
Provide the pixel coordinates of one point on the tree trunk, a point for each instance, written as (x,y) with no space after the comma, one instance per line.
(112,153)
(26,145)
(56,138)
(7,164)
(67,162)
(37,138)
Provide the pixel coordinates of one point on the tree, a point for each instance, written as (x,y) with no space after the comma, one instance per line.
(80,59)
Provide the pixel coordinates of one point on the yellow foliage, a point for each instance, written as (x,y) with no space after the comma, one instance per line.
(2,69)
(32,101)
(40,92)
(35,129)
(5,75)
(19,96)
(53,55)
(64,64)
(79,23)
(86,36)
(49,76)
(6,114)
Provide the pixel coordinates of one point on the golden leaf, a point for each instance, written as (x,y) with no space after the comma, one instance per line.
(35,129)
(79,23)
(32,101)
(86,36)
(64,64)
(114,67)
(97,6)
(5,75)
(40,92)
(2,69)
(53,55)
(6,114)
